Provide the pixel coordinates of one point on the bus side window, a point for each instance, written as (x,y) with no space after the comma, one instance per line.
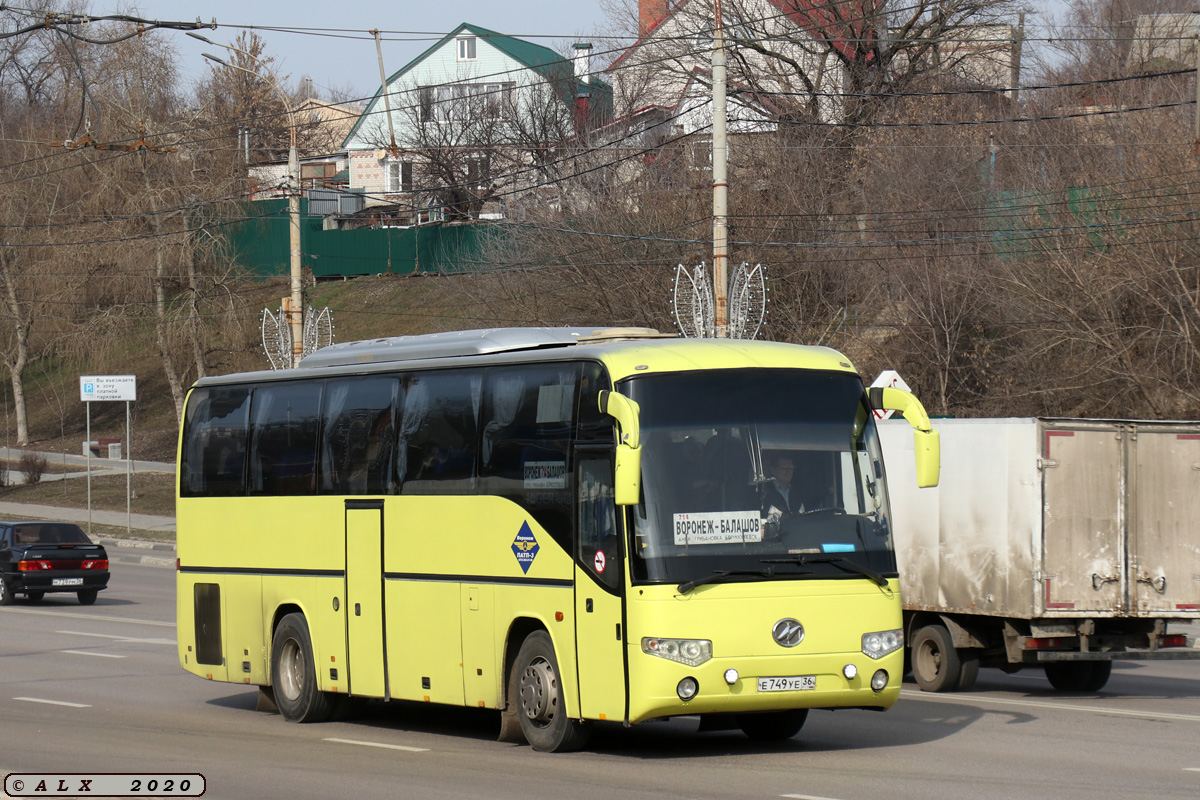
(528,416)
(359,436)
(594,425)
(598,542)
(283,440)
(437,437)
(216,428)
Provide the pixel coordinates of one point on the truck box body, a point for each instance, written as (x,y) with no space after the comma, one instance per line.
(1057,527)
(1051,518)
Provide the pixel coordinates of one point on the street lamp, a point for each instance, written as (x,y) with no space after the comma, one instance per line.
(294,305)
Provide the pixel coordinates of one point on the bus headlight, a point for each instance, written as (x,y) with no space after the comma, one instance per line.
(692,652)
(882,643)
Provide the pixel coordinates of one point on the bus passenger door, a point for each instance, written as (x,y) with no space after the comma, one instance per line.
(599,581)
(367,674)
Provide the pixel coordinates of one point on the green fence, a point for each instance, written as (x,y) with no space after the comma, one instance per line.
(259,242)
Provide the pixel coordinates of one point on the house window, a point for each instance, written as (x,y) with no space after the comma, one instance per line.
(465,101)
(399,176)
(466,48)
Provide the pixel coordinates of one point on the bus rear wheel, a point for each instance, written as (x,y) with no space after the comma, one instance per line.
(540,705)
(773,725)
(293,673)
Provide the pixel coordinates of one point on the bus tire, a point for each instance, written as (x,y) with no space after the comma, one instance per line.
(936,665)
(540,705)
(773,726)
(293,673)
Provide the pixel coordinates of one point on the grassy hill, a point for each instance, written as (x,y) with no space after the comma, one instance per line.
(362,308)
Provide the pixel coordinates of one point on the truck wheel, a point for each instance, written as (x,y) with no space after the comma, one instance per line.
(936,664)
(540,705)
(1071,676)
(969,671)
(773,726)
(6,595)
(1101,670)
(293,673)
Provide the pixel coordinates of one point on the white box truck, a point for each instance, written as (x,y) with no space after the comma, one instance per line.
(1064,544)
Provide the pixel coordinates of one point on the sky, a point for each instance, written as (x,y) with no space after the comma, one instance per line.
(349,58)
(346,58)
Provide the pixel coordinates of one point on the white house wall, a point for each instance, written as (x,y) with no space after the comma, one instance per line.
(366,144)
(656,72)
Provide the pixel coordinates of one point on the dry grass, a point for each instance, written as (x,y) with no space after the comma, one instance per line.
(153,493)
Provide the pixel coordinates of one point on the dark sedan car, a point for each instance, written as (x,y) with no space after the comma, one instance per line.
(39,557)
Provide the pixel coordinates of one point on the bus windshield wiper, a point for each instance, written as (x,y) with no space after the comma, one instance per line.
(841,562)
(719,575)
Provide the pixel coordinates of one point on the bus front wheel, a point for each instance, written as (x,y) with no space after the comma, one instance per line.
(540,706)
(293,673)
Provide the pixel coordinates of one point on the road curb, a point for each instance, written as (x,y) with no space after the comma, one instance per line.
(139,544)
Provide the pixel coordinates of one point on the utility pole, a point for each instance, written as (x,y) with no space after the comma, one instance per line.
(720,155)
(293,306)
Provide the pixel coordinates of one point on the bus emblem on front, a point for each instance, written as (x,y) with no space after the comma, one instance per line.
(788,632)
(525,547)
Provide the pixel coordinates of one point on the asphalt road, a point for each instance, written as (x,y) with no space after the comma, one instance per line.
(98,689)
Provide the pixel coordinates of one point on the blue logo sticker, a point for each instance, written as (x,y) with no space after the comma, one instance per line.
(525,547)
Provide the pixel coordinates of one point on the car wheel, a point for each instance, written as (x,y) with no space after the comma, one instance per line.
(6,596)
(34,597)
(87,596)
(773,726)
(540,705)
(294,675)
(936,664)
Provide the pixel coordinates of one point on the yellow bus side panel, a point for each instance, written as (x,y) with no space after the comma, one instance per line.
(442,555)
(241,602)
(481,679)
(424,646)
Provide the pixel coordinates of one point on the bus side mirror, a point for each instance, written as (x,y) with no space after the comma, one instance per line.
(927,444)
(627,481)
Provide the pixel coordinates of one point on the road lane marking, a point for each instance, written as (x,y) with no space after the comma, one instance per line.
(806,797)
(1191,769)
(93,617)
(90,653)
(1120,712)
(119,638)
(380,744)
(52,702)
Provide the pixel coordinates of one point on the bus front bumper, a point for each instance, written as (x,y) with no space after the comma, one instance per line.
(732,685)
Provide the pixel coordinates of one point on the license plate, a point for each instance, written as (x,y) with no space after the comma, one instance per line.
(793,683)
(66,582)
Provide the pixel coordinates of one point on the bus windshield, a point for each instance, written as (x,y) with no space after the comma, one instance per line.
(758,472)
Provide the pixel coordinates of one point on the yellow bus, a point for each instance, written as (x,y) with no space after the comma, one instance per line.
(567,525)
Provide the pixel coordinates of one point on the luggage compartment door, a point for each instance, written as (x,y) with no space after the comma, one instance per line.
(1083,550)
(364,598)
(1164,530)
